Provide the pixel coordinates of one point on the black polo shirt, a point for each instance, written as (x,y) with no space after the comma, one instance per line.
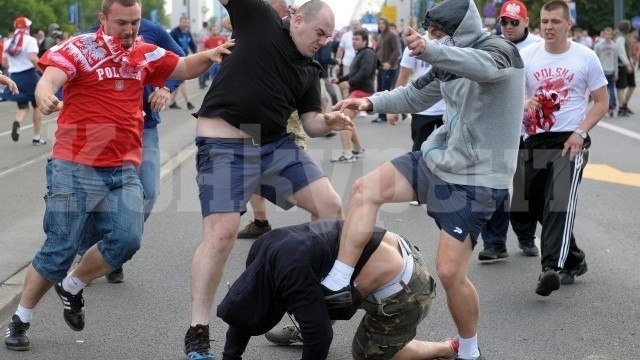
(265,78)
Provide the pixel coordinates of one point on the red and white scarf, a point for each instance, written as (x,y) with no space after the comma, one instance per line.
(15,46)
(132,62)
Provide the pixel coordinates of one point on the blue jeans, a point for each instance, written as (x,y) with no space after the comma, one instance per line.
(149,174)
(386,81)
(149,170)
(611,88)
(109,199)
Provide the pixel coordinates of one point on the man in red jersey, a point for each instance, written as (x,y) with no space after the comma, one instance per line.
(92,171)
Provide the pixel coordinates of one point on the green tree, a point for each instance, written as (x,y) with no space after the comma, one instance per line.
(43,13)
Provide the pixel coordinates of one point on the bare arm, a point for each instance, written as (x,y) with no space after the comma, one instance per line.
(51,81)
(33,57)
(318,124)
(194,65)
(7,81)
(226,23)
(594,115)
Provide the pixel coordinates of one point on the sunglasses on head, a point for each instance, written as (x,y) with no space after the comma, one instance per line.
(513,23)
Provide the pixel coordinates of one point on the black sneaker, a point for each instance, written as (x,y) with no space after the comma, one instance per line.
(15,131)
(529,250)
(190,106)
(40,141)
(73,308)
(568,277)
(337,299)
(173,105)
(548,282)
(16,338)
(196,343)
(493,253)
(287,335)
(116,276)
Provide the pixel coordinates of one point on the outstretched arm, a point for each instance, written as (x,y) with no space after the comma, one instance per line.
(194,65)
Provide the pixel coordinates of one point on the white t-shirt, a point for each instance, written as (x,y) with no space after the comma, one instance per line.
(21,62)
(420,68)
(346,43)
(571,75)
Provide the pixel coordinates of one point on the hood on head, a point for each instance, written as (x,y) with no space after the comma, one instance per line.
(53,27)
(459,19)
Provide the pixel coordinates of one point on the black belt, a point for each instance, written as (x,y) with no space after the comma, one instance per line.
(241,141)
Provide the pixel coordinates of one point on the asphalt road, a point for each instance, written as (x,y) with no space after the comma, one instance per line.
(597,318)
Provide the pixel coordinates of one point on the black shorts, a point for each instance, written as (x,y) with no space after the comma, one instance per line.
(625,79)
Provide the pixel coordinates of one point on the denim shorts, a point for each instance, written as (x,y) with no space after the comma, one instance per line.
(228,174)
(78,196)
(390,324)
(459,210)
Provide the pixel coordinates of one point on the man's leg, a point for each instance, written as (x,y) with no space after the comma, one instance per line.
(385,184)
(494,233)
(319,199)
(260,224)
(452,262)
(149,170)
(21,113)
(209,259)
(37,125)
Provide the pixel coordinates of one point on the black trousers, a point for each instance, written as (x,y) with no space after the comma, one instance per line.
(551,187)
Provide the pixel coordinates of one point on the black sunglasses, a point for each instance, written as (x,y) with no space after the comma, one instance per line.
(513,23)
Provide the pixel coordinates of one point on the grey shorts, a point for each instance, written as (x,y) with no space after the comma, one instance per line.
(229,173)
(390,324)
(460,210)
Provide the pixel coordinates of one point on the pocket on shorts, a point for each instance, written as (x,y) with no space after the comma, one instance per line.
(57,213)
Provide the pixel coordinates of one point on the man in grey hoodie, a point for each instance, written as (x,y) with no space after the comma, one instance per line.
(463,169)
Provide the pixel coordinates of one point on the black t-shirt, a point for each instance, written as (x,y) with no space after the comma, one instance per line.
(265,78)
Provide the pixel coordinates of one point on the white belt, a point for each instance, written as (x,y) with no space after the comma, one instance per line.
(397,284)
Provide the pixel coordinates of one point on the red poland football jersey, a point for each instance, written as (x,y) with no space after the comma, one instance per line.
(101,121)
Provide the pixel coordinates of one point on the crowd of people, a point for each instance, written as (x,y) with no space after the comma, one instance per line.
(466,155)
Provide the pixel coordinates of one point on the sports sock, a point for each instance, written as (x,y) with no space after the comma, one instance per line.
(468,348)
(338,277)
(72,284)
(25,315)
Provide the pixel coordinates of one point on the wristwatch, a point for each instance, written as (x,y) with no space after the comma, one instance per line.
(583,134)
(166,88)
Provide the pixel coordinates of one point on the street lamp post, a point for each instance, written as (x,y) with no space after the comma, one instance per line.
(618,10)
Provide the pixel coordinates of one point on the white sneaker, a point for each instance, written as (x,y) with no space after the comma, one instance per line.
(343,158)
(358,153)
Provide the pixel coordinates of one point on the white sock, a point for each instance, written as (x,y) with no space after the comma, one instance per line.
(36,137)
(339,276)
(468,348)
(72,284)
(347,154)
(25,315)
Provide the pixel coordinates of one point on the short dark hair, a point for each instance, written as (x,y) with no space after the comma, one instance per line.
(363,33)
(106,4)
(558,4)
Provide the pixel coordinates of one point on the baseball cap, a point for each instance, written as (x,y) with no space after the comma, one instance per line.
(21,22)
(513,9)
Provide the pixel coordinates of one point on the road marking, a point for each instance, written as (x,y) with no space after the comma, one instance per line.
(606,173)
(619,130)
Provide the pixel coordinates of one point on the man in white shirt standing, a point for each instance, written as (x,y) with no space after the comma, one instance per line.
(346,52)
(21,60)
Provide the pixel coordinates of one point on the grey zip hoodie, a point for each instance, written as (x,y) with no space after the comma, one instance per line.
(481,79)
